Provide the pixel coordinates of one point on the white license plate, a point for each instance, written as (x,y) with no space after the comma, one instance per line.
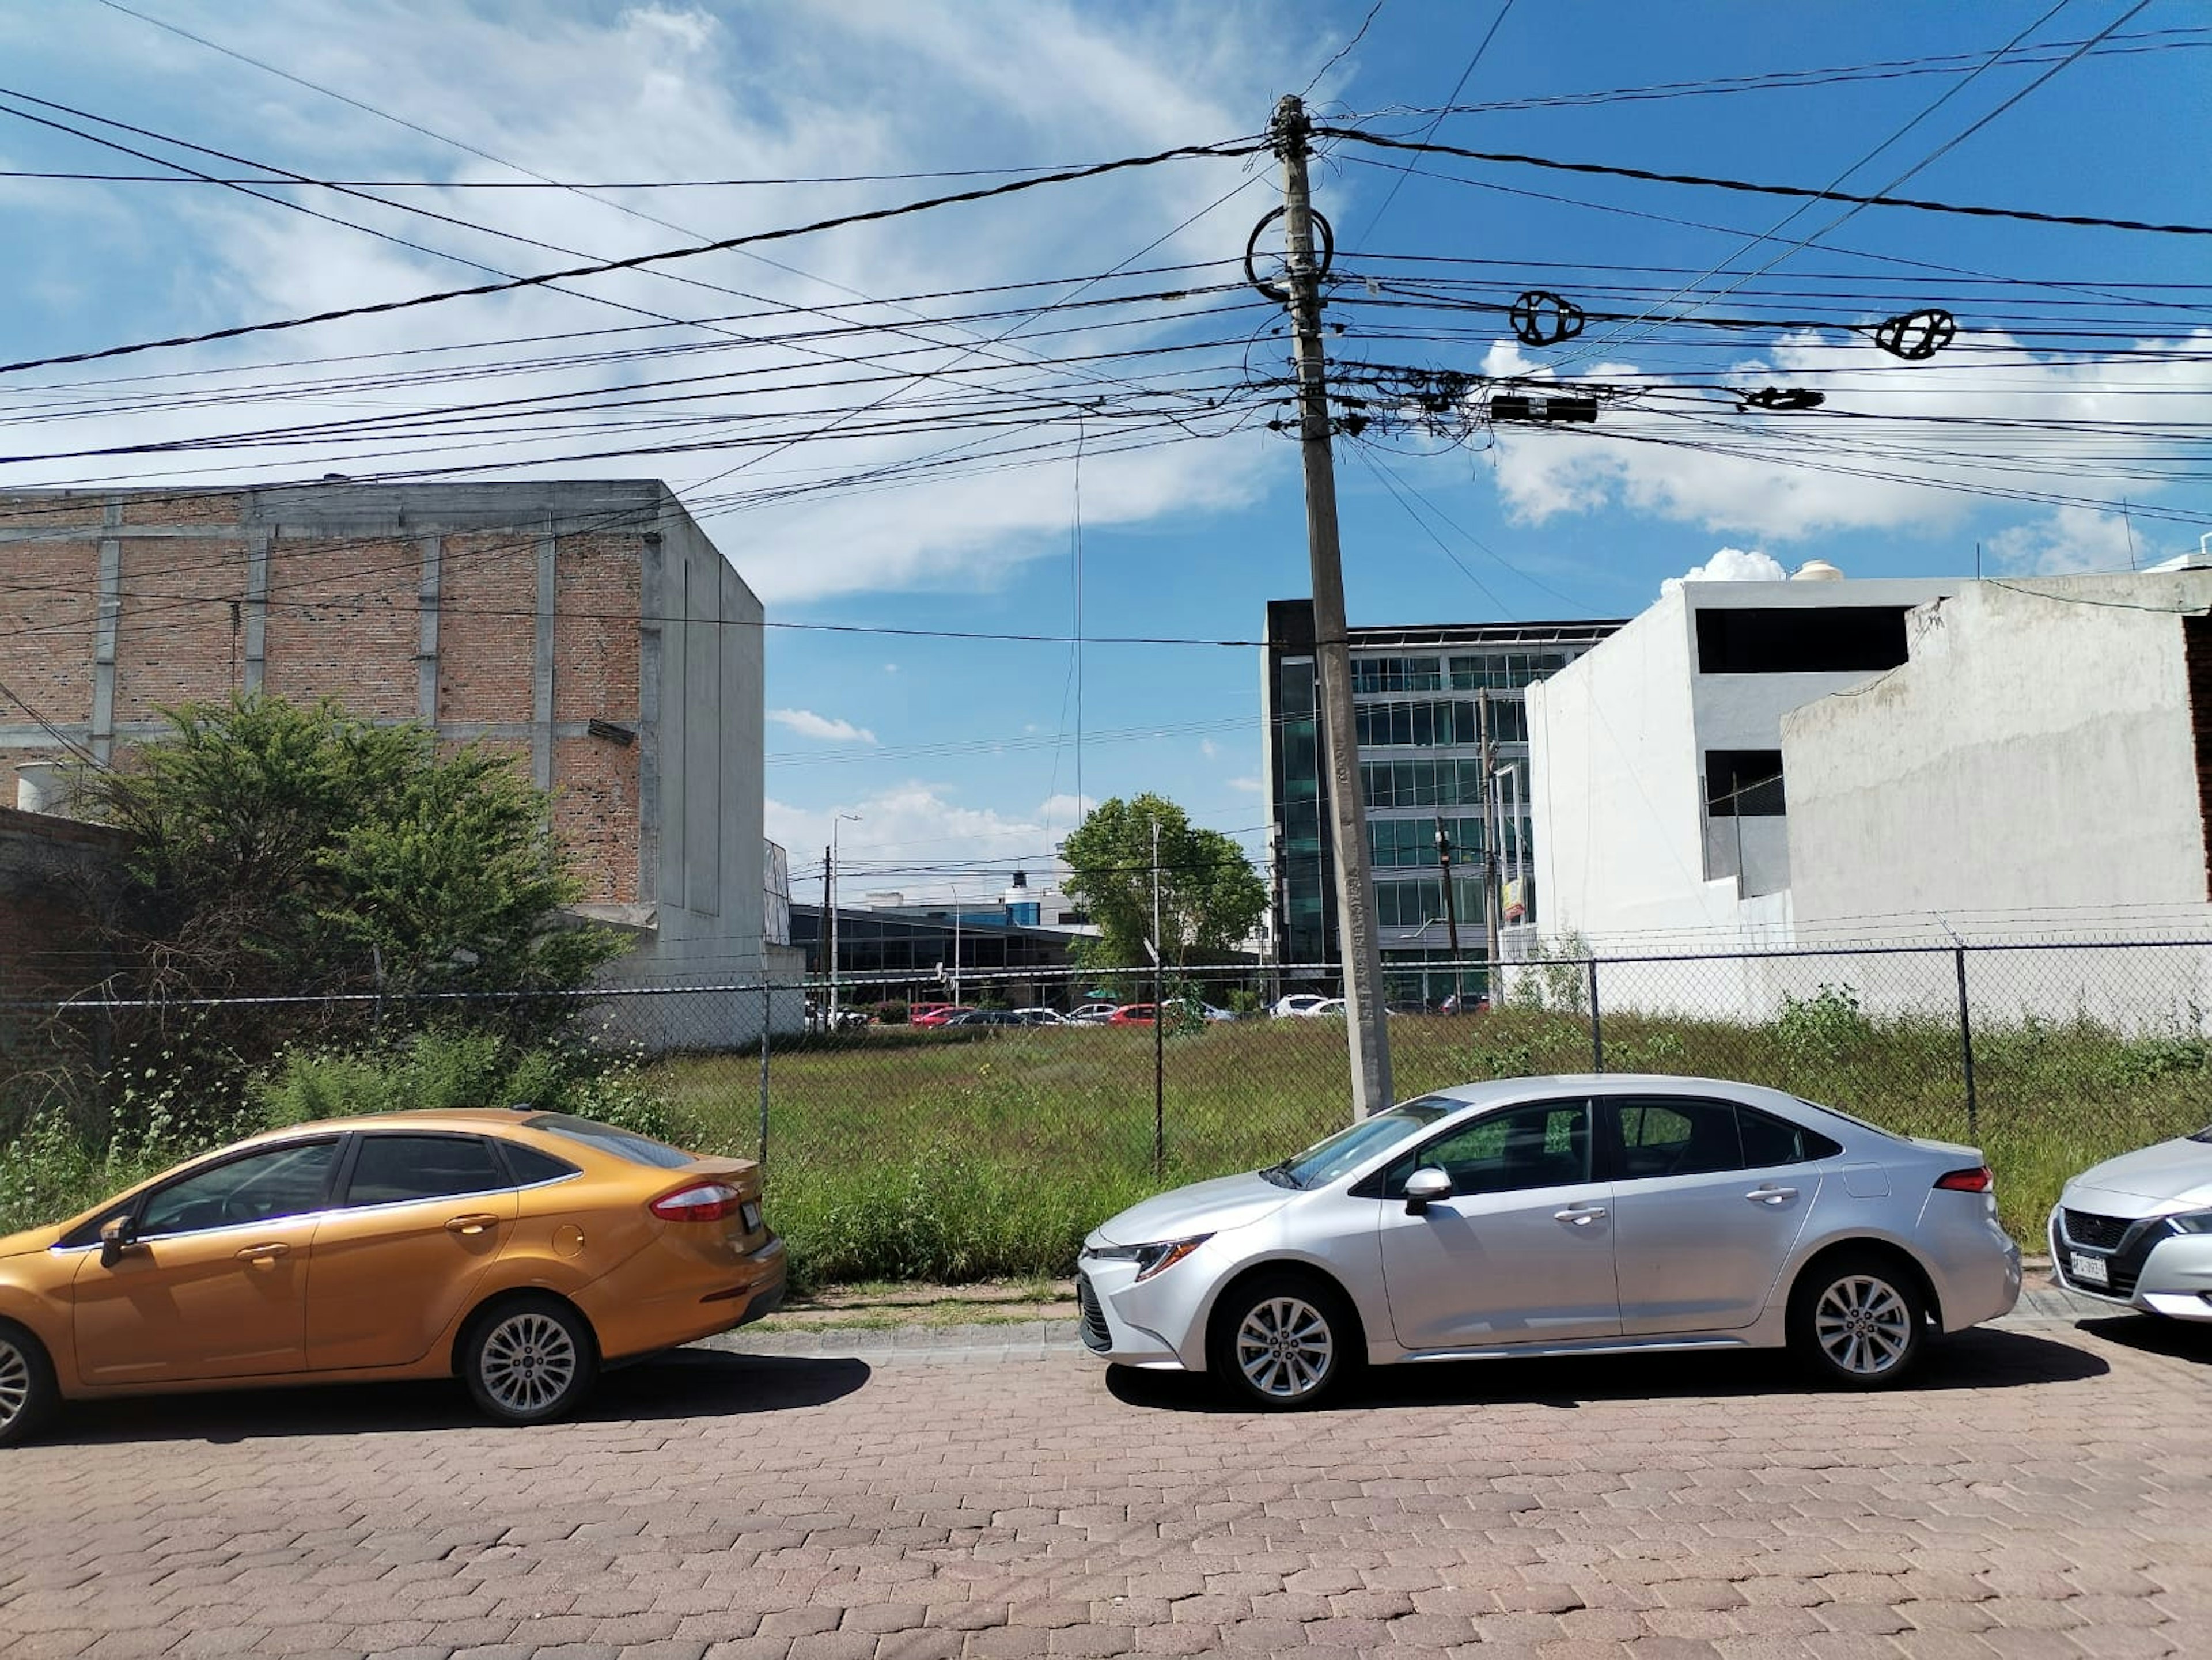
(2090,1270)
(749,1214)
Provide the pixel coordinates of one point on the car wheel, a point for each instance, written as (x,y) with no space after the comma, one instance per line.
(1282,1341)
(529,1360)
(1858,1321)
(28,1393)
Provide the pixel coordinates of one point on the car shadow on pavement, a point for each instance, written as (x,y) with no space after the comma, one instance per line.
(2183,1340)
(690,1382)
(1979,1359)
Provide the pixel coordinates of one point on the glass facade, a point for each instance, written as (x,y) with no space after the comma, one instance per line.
(1421,763)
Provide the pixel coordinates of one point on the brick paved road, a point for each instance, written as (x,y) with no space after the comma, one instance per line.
(2046,1491)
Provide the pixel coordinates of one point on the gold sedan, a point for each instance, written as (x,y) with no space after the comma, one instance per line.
(519,1250)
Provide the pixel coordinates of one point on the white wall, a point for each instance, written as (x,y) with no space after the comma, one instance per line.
(2036,756)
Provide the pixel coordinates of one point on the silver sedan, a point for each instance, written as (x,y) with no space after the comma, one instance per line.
(1553,1216)
(2137,1230)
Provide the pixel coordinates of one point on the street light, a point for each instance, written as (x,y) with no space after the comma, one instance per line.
(837,820)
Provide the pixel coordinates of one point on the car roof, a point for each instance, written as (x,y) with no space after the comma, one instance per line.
(1497,1090)
(474,1120)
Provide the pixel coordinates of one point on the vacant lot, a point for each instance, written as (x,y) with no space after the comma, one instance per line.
(894,1152)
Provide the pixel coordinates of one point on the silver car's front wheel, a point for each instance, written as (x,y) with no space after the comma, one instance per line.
(1284,1341)
(528,1360)
(1857,1321)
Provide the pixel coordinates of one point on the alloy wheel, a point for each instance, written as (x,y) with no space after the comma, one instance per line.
(529,1363)
(15,1383)
(1863,1325)
(1284,1348)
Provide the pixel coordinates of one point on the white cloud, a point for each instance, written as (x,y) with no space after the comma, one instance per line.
(1208,748)
(749,89)
(2070,539)
(908,833)
(1878,454)
(1730,565)
(1247,785)
(807,724)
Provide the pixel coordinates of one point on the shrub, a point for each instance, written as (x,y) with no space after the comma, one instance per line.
(893,1013)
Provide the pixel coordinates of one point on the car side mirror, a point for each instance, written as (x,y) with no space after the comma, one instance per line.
(117,1235)
(1424,1187)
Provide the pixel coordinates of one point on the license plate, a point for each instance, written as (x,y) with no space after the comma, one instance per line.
(2090,1270)
(749,1213)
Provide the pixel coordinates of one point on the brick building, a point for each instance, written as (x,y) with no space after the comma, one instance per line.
(589,628)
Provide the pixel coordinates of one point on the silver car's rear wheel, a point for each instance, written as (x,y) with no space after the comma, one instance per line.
(1857,1321)
(27,1384)
(1284,1341)
(529,1360)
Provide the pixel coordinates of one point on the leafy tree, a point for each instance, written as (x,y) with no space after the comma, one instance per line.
(1210,894)
(288,849)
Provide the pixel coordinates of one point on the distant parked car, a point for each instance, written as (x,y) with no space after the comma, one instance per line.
(1134,1014)
(1092,1014)
(1455,1004)
(941,1013)
(2137,1230)
(1302,1003)
(1559,1216)
(1040,1016)
(1326,1008)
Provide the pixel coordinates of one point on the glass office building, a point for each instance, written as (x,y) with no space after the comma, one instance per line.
(1420,698)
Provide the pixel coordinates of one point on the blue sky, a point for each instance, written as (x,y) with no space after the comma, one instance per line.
(965,752)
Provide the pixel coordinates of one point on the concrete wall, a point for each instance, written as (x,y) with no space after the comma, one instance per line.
(2036,756)
(1625,854)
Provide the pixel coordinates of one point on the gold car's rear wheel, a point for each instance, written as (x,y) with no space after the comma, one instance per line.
(529,1360)
(27,1384)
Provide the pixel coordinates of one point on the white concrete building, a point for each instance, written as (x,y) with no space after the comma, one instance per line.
(1659,793)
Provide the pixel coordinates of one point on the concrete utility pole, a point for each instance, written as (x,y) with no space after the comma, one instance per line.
(1451,914)
(1368,1040)
(1491,829)
(832,892)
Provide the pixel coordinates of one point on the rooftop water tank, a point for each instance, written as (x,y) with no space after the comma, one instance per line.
(1817,570)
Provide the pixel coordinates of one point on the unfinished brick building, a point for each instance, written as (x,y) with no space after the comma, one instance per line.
(590,629)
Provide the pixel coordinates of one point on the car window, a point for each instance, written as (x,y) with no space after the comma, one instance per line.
(391,1169)
(1676,1135)
(1771,1141)
(623,1144)
(260,1187)
(530,1166)
(1325,1161)
(1544,1146)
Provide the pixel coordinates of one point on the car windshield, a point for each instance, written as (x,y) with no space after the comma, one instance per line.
(2204,1135)
(1326,1160)
(623,1144)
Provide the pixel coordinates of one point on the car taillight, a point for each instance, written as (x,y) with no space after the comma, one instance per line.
(701,1201)
(1977,1180)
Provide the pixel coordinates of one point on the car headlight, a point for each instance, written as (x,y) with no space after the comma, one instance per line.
(1155,1258)
(2195,1221)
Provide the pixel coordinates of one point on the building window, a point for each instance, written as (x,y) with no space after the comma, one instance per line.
(1744,784)
(1374,674)
(1822,640)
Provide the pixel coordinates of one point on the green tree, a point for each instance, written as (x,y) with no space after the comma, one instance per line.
(291,849)
(1210,894)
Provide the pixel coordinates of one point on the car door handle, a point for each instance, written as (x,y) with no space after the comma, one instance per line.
(476,1223)
(1771,1194)
(1581,1215)
(268,1253)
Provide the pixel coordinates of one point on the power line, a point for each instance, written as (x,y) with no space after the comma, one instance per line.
(638,261)
(1429,132)
(1613,171)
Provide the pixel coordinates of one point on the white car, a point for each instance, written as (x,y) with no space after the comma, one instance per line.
(1038,1015)
(1304,1003)
(1558,1216)
(1091,1014)
(2137,1230)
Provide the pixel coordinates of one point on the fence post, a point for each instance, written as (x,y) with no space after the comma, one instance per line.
(1159,1076)
(1967,1044)
(767,1018)
(1597,1026)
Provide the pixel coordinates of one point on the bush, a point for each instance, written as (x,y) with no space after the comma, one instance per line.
(893,1015)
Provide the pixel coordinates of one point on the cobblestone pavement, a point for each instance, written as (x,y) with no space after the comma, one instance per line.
(2044,1490)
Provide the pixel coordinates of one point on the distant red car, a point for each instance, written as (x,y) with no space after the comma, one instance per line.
(938,1013)
(1133,1014)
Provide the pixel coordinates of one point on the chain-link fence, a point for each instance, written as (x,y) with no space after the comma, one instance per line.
(952,1129)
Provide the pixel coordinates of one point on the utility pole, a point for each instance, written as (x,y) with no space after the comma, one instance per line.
(1365,1033)
(825,946)
(1451,910)
(832,889)
(1490,833)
